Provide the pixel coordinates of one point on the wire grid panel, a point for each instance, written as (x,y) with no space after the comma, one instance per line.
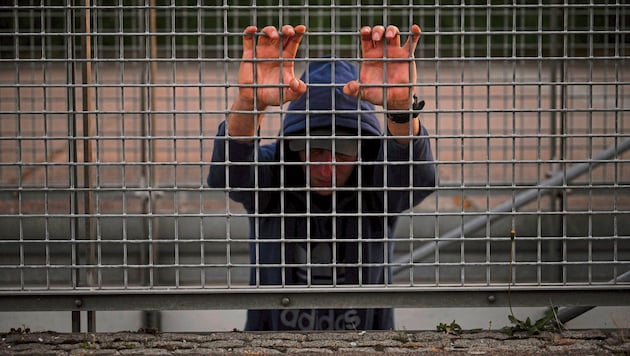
(109,115)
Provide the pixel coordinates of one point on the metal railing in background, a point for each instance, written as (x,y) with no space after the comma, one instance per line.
(107,121)
(562,179)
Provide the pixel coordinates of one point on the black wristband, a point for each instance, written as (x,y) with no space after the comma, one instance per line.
(404,117)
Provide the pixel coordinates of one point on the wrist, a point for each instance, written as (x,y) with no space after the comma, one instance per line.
(242,103)
(244,119)
(405,131)
(403,116)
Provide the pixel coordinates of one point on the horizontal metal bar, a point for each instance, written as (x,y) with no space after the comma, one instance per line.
(315,298)
(274,8)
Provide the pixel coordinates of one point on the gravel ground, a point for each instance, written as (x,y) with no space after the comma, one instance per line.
(586,342)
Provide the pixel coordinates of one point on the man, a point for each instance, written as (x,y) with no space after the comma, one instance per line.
(324,197)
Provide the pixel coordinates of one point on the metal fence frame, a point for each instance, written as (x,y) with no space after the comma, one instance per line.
(105,55)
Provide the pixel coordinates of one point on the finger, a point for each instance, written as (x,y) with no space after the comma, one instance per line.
(287,33)
(378,33)
(293,37)
(351,88)
(248,41)
(296,89)
(392,36)
(269,36)
(412,41)
(366,38)
(300,29)
(292,31)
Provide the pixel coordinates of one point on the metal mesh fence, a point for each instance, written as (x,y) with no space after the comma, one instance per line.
(109,113)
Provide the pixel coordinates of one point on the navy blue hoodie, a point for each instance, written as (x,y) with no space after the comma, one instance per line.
(343,234)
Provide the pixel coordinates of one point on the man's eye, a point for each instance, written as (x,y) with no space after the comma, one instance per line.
(343,158)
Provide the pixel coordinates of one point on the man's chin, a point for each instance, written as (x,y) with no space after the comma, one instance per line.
(324,191)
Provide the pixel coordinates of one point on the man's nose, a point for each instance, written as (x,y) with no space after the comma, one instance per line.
(324,169)
(324,161)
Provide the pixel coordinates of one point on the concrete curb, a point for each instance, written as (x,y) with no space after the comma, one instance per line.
(584,342)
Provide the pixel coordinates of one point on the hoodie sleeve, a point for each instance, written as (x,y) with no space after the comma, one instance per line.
(399,171)
(231,168)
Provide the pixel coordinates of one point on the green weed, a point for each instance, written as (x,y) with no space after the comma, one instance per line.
(546,323)
(450,329)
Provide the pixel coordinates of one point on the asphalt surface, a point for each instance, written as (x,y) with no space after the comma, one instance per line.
(585,342)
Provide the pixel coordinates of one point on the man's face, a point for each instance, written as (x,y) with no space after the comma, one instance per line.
(322,169)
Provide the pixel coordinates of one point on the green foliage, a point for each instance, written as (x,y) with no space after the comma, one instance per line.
(22,330)
(193,28)
(403,336)
(85,345)
(451,329)
(546,323)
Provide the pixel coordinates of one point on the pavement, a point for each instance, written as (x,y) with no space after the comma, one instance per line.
(576,342)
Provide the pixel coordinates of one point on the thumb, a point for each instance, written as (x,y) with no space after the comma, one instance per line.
(296,89)
(351,88)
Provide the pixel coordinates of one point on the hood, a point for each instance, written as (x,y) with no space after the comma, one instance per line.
(324,105)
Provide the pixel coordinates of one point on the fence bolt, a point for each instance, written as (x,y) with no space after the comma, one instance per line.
(78,302)
(492,299)
(285,301)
